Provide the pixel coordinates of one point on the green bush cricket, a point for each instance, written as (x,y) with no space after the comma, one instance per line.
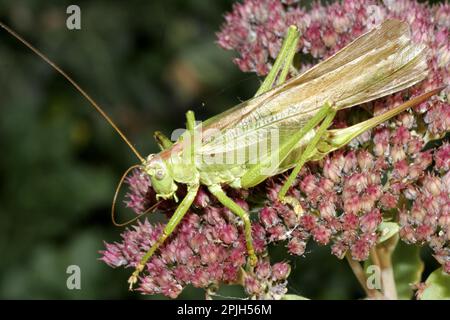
(284,126)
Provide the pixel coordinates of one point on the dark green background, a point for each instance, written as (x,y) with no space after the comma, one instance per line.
(146,62)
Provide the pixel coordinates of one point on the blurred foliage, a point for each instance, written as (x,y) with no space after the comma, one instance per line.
(147,62)
(437,286)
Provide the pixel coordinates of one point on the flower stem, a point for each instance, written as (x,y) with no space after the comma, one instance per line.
(384,253)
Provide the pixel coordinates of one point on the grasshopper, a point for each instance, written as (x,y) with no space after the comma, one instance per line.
(299,113)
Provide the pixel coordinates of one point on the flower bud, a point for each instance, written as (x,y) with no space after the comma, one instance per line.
(400,169)
(263,270)
(309,184)
(228,233)
(350,162)
(339,249)
(321,234)
(280,271)
(407,120)
(365,160)
(327,208)
(432,184)
(296,246)
(370,221)
(407,234)
(349,221)
(269,217)
(331,170)
(401,136)
(410,192)
(329,37)
(397,153)
(414,146)
(388,201)
(442,157)
(202,199)
(308,222)
(251,285)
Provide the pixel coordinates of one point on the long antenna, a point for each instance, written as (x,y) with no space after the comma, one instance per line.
(65,75)
(113,206)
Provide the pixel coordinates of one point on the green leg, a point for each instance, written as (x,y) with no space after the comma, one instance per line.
(283,62)
(309,151)
(170,227)
(162,141)
(217,191)
(337,138)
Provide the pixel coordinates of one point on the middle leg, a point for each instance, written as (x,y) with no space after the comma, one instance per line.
(217,191)
(309,151)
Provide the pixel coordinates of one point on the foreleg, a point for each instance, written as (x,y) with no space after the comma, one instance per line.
(170,227)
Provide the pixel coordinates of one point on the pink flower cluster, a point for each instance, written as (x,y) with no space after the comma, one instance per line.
(391,172)
(428,219)
(255,29)
(344,198)
(346,195)
(208,249)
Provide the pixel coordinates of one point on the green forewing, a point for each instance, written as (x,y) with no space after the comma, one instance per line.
(378,63)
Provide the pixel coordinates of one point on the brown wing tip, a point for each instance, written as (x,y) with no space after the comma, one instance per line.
(425,96)
(436,90)
(395,27)
(394,23)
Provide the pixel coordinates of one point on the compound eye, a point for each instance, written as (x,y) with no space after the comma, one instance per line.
(159,174)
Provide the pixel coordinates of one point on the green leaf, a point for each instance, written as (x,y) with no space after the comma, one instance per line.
(387,229)
(293,297)
(438,286)
(408,268)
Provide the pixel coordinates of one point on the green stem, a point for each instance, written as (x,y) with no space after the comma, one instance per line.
(384,253)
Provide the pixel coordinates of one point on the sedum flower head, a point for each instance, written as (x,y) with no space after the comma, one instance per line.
(207,249)
(347,193)
(396,171)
